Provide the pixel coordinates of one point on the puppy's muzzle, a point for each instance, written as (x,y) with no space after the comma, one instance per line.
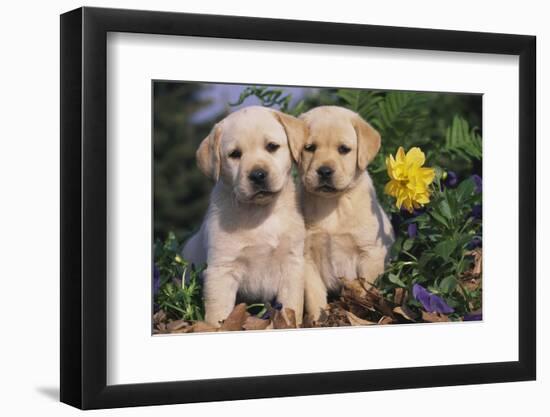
(325,173)
(258,177)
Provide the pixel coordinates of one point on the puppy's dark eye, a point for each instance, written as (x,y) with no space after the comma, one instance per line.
(343,149)
(236,154)
(310,147)
(272,147)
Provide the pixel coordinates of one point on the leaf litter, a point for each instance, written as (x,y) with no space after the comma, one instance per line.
(357,304)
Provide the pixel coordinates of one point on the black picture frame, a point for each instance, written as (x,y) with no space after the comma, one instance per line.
(84,207)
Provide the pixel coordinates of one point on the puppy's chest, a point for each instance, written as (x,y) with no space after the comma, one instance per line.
(336,254)
(263,260)
(267,245)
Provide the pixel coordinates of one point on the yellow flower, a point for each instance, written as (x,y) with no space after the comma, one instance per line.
(409,181)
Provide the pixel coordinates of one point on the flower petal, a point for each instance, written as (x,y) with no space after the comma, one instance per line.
(400,156)
(422,295)
(438,305)
(473,317)
(415,157)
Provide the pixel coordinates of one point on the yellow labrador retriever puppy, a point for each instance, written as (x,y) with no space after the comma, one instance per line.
(252,238)
(348,233)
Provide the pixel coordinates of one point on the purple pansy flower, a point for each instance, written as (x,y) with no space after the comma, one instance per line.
(476,242)
(451,180)
(156,280)
(478,182)
(473,317)
(477,211)
(439,305)
(431,302)
(422,295)
(412,230)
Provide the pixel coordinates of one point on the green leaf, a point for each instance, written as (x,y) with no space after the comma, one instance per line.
(424,259)
(396,280)
(445,248)
(401,112)
(439,218)
(461,141)
(408,244)
(448,284)
(268,97)
(396,247)
(465,190)
(361,101)
(445,210)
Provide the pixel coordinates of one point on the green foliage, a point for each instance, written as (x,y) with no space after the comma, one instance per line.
(438,256)
(179,290)
(363,102)
(461,141)
(180,189)
(268,97)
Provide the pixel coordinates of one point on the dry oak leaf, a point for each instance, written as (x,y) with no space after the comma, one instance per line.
(202,326)
(176,325)
(236,318)
(159,317)
(284,319)
(385,320)
(255,323)
(399,296)
(405,312)
(356,321)
(434,317)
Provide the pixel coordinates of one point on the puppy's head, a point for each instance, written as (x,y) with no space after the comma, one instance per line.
(251,152)
(337,150)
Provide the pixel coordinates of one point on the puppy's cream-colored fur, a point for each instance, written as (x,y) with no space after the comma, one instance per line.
(252,237)
(348,234)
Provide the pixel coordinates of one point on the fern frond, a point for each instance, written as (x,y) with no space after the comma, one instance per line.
(365,103)
(400,112)
(462,141)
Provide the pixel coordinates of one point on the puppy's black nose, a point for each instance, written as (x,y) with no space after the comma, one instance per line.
(258,176)
(325,172)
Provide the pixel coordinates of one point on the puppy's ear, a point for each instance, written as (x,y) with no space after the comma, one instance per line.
(208,154)
(296,133)
(368,142)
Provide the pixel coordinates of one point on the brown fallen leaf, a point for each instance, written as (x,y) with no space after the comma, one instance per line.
(399,296)
(255,323)
(356,287)
(333,316)
(406,312)
(159,317)
(279,321)
(290,316)
(183,330)
(385,307)
(434,317)
(478,258)
(385,320)
(176,325)
(356,321)
(236,318)
(202,326)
